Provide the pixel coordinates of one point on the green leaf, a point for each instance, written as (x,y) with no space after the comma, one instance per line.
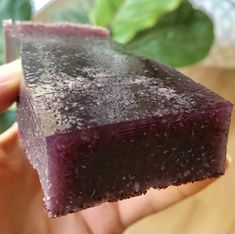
(105,11)
(79,12)
(180,38)
(6,120)
(136,15)
(16,10)
(69,15)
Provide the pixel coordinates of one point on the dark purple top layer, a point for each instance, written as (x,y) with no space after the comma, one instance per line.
(88,80)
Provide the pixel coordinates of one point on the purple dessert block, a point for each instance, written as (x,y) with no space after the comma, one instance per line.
(99,124)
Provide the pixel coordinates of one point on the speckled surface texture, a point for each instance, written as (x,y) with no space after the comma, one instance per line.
(101,125)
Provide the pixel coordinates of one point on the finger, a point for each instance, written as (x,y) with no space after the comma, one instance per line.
(9,138)
(132,210)
(9,83)
(228,161)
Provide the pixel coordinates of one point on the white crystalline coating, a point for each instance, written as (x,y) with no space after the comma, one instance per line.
(186,173)
(78,83)
(170,94)
(136,187)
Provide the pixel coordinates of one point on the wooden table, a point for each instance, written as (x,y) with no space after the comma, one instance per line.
(212,211)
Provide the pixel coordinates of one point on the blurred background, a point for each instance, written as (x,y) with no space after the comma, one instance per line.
(198,38)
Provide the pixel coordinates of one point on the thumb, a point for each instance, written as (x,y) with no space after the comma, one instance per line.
(9,83)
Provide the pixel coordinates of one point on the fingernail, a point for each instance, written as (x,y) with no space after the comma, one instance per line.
(5,73)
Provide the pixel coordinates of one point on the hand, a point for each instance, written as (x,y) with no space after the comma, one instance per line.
(21,204)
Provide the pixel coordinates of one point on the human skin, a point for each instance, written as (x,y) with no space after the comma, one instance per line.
(21,198)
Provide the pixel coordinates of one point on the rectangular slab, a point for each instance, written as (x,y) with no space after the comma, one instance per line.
(99,124)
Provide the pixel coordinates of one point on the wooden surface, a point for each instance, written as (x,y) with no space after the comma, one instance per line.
(212,211)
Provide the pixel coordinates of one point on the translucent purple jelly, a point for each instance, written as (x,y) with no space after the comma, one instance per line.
(101,125)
